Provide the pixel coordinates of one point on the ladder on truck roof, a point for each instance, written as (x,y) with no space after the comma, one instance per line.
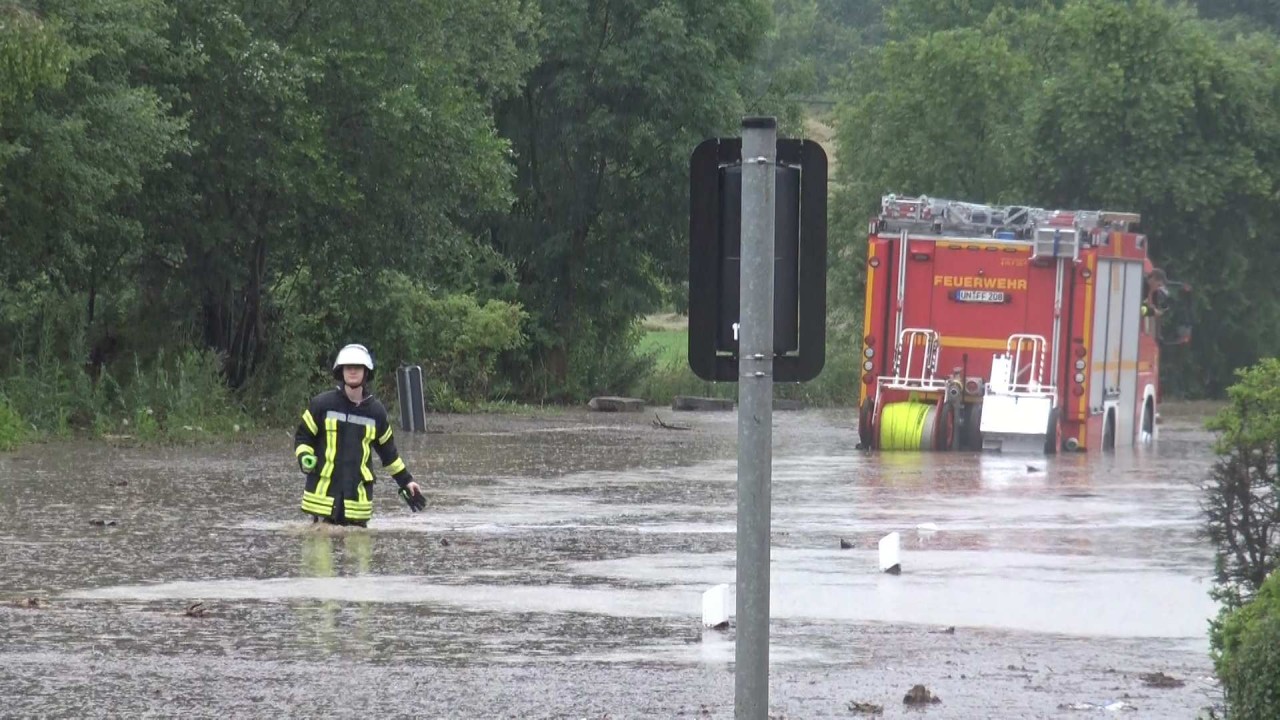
(941,216)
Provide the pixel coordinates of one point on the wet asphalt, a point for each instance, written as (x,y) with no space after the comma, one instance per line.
(558,572)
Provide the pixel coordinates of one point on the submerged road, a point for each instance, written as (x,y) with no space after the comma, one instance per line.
(557,573)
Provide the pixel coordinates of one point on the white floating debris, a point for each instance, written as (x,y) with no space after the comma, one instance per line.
(715,606)
(889,547)
(927,528)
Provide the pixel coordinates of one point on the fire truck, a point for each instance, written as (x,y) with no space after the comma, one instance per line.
(1011,328)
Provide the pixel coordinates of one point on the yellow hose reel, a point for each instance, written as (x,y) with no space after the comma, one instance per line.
(911,425)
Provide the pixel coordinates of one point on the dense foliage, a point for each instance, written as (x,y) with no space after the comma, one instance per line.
(496,189)
(1246,642)
(1241,505)
(1242,496)
(491,189)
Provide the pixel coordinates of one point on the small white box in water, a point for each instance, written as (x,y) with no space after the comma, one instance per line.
(715,606)
(889,546)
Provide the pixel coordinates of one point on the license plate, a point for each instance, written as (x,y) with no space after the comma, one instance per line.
(980,296)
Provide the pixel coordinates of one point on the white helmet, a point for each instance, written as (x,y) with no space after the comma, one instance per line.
(353,354)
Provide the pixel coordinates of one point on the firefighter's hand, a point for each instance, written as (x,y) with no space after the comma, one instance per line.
(413,496)
(307,462)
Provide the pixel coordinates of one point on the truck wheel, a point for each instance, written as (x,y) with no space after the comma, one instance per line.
(866,433)
(971,427)
(947,435)
(1051,434)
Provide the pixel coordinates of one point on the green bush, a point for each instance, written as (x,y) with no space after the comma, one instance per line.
(1253,689)
(172,397)
(12,429)
(47,380)
(44,378)
(1246,645)
(454,337)
(603,362)
(51,397)
(178,396)
(1241,505)
(295,366)
(457,338)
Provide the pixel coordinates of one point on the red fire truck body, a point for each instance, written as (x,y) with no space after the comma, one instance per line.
(1007,328)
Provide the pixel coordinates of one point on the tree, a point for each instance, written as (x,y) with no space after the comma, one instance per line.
(81,130)
(1251,11)
(328,138)
(910,18)
(602,130)
(812,41)
(787,62)
(33,55)
(1242,495)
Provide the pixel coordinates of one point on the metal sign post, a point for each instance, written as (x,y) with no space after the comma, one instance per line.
(413,406)
(755,418)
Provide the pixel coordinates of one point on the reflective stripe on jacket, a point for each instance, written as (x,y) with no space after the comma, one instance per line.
(342,435)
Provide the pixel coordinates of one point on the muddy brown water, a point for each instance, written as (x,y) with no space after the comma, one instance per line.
(557,574)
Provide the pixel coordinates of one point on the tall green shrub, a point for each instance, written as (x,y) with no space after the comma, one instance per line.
(1241,504)
(12,429)
(457,338)
(1247,654)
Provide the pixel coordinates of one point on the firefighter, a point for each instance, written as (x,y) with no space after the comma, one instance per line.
(1157,301)
(333,442)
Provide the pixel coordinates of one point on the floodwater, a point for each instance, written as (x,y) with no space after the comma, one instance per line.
(558,572)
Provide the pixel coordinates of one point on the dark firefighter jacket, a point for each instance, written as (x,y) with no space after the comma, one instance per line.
(342,435)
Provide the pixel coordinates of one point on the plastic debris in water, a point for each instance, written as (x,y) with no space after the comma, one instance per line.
(715,607)
(889,551)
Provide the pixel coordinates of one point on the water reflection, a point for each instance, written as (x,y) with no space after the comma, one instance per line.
(328,552)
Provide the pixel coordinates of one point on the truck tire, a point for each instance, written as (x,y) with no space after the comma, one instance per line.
(1051,434)
(971,427)
(866,433)
(947,435)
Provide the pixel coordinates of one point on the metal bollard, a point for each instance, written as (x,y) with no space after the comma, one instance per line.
(413,406)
